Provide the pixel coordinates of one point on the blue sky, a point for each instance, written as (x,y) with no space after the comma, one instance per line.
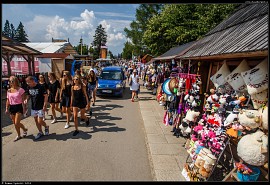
(42,22)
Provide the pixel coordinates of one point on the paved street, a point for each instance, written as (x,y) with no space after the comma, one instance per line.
(125,142)
(112,148)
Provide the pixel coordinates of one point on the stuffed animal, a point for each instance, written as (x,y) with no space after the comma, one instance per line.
(213,98)
(249,118)
(230,118)
(263,111)
(191,115)
(252,148)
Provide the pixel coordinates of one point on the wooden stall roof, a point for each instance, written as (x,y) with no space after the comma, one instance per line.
(174,52)
(14,47)
(244,32)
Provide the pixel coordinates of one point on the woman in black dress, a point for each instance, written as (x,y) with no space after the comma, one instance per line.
(54,92)
(42,82)
(65,95)
(77,93)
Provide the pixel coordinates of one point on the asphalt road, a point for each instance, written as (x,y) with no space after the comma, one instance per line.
(112,148)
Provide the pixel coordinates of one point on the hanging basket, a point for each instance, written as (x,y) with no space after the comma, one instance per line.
(249,177)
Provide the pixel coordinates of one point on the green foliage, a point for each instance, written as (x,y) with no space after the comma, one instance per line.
(20,34)
(178,24)
(6,30)
(12,31)
(81,49)
(127,51)
(137,27)
(100,39)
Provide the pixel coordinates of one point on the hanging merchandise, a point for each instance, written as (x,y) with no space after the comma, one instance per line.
(166,88)
(220,77)
(256,78)
(236,80)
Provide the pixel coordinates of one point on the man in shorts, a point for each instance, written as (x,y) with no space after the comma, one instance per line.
(39,99)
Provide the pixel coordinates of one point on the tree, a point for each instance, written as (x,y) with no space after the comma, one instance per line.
(20,35)
(100,39)
(6,30)
(111,54)
(127,51)
(178,24)
(137,28)
(12,31)
(81,48)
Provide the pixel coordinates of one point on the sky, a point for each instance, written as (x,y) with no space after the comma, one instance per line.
(42,22)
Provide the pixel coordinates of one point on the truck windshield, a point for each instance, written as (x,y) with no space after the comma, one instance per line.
(111,75)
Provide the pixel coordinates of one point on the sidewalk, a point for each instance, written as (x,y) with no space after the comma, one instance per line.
(167,152)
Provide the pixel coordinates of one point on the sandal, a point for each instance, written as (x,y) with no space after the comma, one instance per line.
(17,138)
(25,133)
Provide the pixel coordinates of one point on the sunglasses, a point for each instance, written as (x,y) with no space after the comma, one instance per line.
(64,75)
(41,77)
(11,81)
(76,79)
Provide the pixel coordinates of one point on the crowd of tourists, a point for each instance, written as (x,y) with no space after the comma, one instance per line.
(67,95)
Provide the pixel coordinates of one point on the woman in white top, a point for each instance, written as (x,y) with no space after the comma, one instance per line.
(134,86)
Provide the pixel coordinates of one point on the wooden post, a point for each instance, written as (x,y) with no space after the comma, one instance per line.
(209,75)
(33,64)
(29,63)
(7,59)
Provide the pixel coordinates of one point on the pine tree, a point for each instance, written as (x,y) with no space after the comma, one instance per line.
(20,35)
(100,39)
(12,31)
(6,30)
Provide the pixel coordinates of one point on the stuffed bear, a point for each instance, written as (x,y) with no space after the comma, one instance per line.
(250,119)
(252,148)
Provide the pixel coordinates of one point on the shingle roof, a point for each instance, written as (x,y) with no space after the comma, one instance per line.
(245,30)
(12,46)
(173,52)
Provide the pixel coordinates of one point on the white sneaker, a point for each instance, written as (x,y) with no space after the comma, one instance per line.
(71,118)
(54,121)
(67,125)
(61,115)
(44,118)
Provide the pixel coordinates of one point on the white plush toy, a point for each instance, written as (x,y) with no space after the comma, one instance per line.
(249,118)
(252,148)
(191,115)
(264,116)
(229,119)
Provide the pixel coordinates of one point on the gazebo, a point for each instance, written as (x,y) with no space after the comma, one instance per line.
(11,47)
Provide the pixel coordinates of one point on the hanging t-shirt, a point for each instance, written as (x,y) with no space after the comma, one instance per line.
(37,96)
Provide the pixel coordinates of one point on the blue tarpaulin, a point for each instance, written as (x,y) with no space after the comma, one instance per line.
(75,65)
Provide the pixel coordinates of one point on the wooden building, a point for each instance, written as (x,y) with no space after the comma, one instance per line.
(55,57)
(242,36)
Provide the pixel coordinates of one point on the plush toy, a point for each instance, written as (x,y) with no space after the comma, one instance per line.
(250,119)
(230,118)
(263,111)
(213,98)
(192,115)
(252,148)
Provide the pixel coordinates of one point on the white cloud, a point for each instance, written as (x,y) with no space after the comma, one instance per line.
(44,28)
(36,29)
